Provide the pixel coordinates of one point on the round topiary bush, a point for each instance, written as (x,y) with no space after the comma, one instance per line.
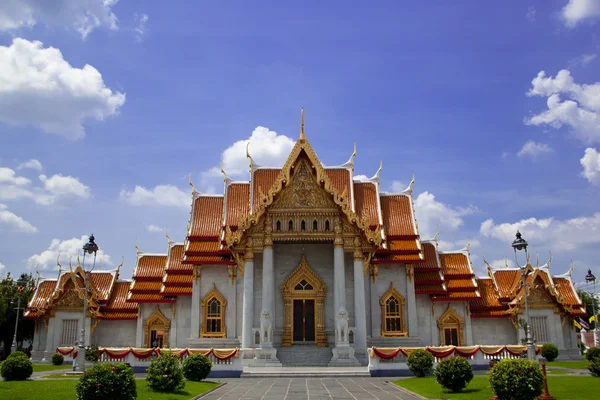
(594,367)
(92,354)
(516,380)
(549,351)
(165,374)
(196,367)
(16,367)
(593,353)
(420,362)
(454,373)
(58,359)
(106,382)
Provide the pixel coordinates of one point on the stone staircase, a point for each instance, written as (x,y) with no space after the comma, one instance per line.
(304,356)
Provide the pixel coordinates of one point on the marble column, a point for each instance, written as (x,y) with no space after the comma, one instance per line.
(411,302)
(139,334)
(339,273)
(248,309)
(360,315)
(50,346)
(268,288)
(173,333)
(195,320)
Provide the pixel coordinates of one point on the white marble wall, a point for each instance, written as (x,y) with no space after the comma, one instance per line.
(493,331)
(461,310)
(396,274)
(428,330)
(183,320)
(218,275)
(119,333)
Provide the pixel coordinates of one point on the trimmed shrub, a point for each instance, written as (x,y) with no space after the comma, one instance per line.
(420,362)
(592,354)
(454,373)
(594,367)
(58,359)
(165,374)
(107,381)
(493,362)
(16,367)
(516,380)
(196,367)
(92,354)
(549,352)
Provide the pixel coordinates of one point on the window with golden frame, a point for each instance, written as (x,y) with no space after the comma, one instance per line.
(213,314)
(392,313)
(451,327)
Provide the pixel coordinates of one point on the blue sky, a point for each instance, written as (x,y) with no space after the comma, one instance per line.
(444,90)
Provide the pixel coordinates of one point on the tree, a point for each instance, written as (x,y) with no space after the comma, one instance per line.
(586,299)
(10,292)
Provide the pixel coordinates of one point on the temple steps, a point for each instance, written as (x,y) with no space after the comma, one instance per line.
(304,356)
(305,372)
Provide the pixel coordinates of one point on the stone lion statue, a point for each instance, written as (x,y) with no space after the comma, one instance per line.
(341,325)
(266,327)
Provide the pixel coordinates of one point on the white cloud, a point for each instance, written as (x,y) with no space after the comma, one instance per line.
(445,245)
(2,266)
(581,111)
(154,228)
(65,248)
(52,189)
(31,164)
(431,213)
(39,88)
(13,222)
(164,195)
(360,177)
(534,150)
(591,165)
(559,235)
(582,60)
(579,10)
(502,263)
(505,155)
(531,13)
(81,15)
(398,186)
(266,148)
(140,26)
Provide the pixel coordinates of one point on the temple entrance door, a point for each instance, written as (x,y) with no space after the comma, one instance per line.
(304,320)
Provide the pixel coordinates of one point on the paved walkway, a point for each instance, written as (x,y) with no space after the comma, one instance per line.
(308,389)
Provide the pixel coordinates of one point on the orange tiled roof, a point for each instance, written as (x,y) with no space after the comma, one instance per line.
(455,264)
(432,276)
(489,296)
(429,289)
(204,246)
(404,245)
(175,258)
(430,261)
(176,290)
(396,258)
(365,197)
(340,179)
(148,298)
(460,284)
(565,291)
(506,281)
(42,294)
(174,280)
(238,203)
(207,220)
(150,267)
(397,215)
(263,178)
(199,260)
(102,282)
(146,286)
(118,298)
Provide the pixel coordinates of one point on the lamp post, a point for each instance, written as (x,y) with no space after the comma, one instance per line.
(88,248)
(590,278)
(521,244)
(14,342)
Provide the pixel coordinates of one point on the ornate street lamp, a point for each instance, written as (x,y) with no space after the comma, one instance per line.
(14,342)
(521,244)
(89,248)
(590,278)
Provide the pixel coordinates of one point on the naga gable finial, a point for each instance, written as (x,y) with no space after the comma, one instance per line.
(302,135)
(192,184)
(376,176)
(168,237)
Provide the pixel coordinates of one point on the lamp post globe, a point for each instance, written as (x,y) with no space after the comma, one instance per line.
(591,279)
(521,244)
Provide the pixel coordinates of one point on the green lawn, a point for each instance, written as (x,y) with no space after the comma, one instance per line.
(63,376)
(65,389)
(561,387)
(49,367)
(581,364)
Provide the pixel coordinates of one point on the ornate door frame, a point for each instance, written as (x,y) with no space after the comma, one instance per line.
(289,294)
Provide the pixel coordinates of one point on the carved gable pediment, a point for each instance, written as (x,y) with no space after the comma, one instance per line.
(303,192)
(70,301)
(538,297)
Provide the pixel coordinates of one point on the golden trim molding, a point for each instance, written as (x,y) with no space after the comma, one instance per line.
(156,321)
(392,292)
(450,320)
(213,294)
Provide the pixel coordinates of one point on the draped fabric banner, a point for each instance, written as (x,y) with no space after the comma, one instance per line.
(65,351)
(142,354)
(204,352)
(115,352)
(446,351)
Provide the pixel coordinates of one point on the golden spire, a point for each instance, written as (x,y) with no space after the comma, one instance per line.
(249,157)
(168,237)
(59,266)
(192,184)
(302,135)
(412,182)
(119,267)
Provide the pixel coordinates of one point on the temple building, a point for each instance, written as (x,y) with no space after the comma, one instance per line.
(304,260)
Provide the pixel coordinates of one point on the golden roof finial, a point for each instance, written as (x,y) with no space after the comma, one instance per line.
(225,177)
(537,260)
(549,260)
(412,182)
(570,271)
(137,249)
(506,262)
(119,267)
(249,157)
(468,243)
(376,176)
(168,237)
(59,266)
(70,264)
(192,183)
(302,135)
(37,272)
(435,237)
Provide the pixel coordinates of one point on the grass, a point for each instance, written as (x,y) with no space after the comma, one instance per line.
(65,389)
(561,387)
(60,376)
(49,367)
(580,364)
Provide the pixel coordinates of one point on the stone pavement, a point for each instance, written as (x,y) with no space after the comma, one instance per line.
(308,389)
